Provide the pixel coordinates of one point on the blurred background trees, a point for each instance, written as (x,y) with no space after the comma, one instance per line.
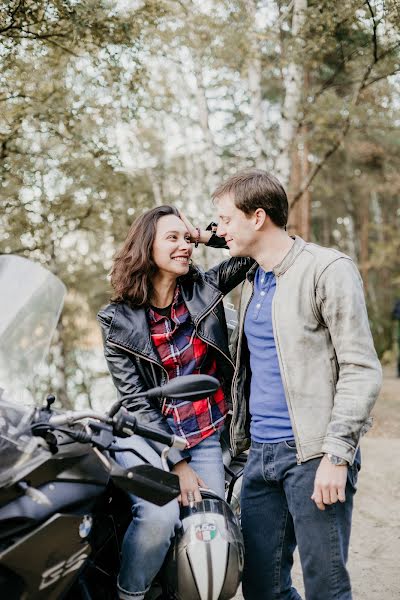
(111,107)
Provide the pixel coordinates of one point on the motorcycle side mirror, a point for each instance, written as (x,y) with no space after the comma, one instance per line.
(189,387)
(147,482)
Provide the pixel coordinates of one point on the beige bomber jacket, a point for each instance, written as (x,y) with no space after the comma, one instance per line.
(330,371)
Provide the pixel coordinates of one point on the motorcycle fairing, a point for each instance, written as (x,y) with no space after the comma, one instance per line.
(74,462)
(24,512)
(48,558)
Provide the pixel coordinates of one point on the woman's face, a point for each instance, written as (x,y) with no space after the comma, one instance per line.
(172,248)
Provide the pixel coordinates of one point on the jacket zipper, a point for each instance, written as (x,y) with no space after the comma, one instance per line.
(138,354)
(207,341)
(153,362)
(296,437)
(234,386)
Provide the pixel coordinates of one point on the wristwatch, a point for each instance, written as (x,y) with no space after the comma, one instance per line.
(336,460)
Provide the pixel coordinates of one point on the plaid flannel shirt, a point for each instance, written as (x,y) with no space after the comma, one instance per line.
(182,352)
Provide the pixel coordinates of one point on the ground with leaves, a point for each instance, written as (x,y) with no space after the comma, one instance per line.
(375,545)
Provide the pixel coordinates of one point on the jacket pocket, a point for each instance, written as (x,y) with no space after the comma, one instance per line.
(290,444)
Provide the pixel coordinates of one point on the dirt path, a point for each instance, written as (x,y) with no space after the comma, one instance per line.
(374,561)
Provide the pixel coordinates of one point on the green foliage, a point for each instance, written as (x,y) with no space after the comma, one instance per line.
(108,108)
(70,73)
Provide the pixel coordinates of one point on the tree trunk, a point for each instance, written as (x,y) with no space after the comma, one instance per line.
(364,238)
(210,154)
(300,214)
(254,74)
(294,183)
(155,186)
(293,84)
(58,362)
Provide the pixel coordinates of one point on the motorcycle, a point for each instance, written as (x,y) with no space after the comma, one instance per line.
(64,505)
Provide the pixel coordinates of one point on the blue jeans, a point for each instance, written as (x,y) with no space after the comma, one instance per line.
(149,535)
(278,514)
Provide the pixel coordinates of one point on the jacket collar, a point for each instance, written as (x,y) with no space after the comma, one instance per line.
(287,261)
(290,257)
(199,298)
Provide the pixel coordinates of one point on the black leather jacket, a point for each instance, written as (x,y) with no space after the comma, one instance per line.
(134,363)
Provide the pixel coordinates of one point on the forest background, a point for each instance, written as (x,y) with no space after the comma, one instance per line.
(108,108)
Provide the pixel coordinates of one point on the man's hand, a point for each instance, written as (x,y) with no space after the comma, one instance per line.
(330,484)
(189,481)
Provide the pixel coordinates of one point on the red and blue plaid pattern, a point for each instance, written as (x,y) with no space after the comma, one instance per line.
(182,352)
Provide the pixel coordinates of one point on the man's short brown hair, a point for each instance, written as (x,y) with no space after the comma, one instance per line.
(254,188)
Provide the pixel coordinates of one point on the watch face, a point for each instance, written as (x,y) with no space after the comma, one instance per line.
(336,460)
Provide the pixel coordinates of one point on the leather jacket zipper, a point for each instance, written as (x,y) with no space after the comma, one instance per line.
(234,380)
(154,362)
(206,340)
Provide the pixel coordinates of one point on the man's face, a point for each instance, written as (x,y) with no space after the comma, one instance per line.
(236,227)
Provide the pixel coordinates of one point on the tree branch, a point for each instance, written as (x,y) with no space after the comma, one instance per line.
(328,83)
(316,169)
(374,32)
(380,77)
(13,96)
(354,102)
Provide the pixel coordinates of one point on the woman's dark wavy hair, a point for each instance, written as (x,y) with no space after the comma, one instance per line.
(133,267)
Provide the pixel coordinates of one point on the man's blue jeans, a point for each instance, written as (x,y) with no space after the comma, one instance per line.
(278,514)
(149,535)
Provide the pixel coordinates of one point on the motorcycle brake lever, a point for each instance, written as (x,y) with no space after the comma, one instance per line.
(103,436)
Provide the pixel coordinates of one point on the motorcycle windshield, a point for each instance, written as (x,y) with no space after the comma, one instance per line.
(20,451)
(31,300)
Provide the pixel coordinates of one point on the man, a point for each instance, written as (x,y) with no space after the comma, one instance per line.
(306,378)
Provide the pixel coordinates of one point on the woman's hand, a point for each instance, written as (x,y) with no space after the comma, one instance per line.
(194,232)
(189,483)
(191,229)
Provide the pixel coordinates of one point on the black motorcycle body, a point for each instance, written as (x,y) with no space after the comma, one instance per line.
(44,545)
(64,507)
(69,546)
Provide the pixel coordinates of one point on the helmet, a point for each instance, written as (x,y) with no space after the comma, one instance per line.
(206,561)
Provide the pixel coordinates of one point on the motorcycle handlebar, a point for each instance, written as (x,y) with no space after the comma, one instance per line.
(124,424)
(72,416)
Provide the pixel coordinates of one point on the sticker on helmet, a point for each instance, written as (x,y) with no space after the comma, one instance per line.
(206,532)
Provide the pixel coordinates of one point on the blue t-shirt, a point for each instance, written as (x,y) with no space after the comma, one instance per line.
(270,421)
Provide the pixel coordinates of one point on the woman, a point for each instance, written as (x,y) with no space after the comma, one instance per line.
(167,319)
